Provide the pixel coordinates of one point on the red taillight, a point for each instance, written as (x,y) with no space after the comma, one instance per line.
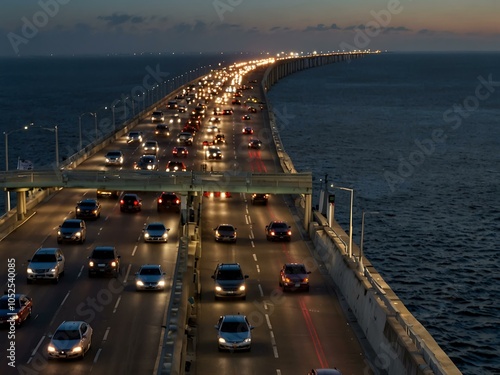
(122,201)
(136,203)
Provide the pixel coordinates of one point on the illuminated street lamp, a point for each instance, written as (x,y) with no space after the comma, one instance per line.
(80,124)
(6,134)
(363,236)
(55,130)
(350,215)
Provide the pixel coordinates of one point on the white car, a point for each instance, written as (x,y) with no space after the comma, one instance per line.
(114,157)
(234,332)
(46,263)
(71,339)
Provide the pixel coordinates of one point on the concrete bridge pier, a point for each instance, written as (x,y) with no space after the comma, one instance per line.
(21,203)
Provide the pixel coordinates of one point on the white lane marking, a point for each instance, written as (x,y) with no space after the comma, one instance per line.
(255,257)
(278,371)
(251,242)
(273,343)
(261,291)
(127,273)
(36,348)
(106,334)
(268,321)
(265,305)
(275,350)
(59,308)
(251,234)
(249,220)
(97,355)
(258,268)
(133,251)
(117,303)
(80,273)
(273,340)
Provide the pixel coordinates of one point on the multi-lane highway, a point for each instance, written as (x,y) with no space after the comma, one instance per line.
(293,332)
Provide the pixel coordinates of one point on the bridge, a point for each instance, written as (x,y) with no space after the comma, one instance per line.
(390,329)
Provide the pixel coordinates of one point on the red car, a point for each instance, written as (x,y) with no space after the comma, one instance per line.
(247,130)
(180,151)
(245,117)
(17,309)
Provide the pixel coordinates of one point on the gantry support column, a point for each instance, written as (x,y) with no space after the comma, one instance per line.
(307,211)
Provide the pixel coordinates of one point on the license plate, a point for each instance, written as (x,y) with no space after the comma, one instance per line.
(101,265)
(297,285)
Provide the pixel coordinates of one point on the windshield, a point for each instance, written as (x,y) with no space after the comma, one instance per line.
(150,271)
(156,227)
(43,258)
(234,327)
(100,254)
(4,304)
(229,275)
(71,224)
(67,335)
(295,270)
(87,204)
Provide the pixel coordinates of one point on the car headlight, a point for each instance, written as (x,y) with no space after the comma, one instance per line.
(77,349)
(247,340)
(58,232)
(51,349)
(165,235)
(242,288)
(14,317)
(113,264)
(161,283)
(107,160)
(218,288)
(221,340)
(53,269)
(146,235)
(139,283)
(78,234)
(91,264)
(78,209)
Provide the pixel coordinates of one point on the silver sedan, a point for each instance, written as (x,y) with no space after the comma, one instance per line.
(150,277)
(156,232)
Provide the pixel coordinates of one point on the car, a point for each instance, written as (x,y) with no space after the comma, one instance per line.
(214,153)
(325,371)
(150,277)
(72,339)
(234,333)
(157,116)
(107,193)
(155,232)
(150,148)
(278,230)
(89,208)
(247,130)
(219,139)
(294,277)
(180,151)
(260,198)
(72,230)
(134,136)
(168,201)
(255,144)
(185,138)
(15,308)
(252,109)
(175,166)
(246,117)
(207,144)
(130,202)
(181,108)
(212,129)
(225,233)
(172,104)
(47,263)
(174,119)
(214,120)
(162,130)
(147,163)
(236,102)
(226,112)
(217,194)
(114,157)
(104,260)
(229,281)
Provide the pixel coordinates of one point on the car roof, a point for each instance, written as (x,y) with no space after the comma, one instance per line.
(73,221)
(47,250)
(327,371)
(104,248)
(156,223)
(150,266)
(70,325)
(234,318)
(228,266)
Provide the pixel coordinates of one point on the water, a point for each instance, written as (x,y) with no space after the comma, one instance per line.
(379,125)
(386,126)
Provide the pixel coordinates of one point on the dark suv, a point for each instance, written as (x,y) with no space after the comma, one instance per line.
(130,203)
(168,201)
(260,198)
(104,260)
(278,230)
(229,281)
(88,209)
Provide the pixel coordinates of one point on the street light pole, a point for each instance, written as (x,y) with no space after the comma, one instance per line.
(363,236)
(350,218)
(55,130)
(80,125)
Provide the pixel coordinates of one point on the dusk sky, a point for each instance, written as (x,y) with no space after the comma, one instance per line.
(63,27)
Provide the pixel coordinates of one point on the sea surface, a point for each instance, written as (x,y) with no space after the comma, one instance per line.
(416,136)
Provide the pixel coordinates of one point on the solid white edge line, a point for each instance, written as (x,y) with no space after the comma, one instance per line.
(261,291)
(117,303)
(268,321)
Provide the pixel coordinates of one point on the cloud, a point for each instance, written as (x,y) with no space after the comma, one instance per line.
(322,27)
(396,29)
(117,19)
